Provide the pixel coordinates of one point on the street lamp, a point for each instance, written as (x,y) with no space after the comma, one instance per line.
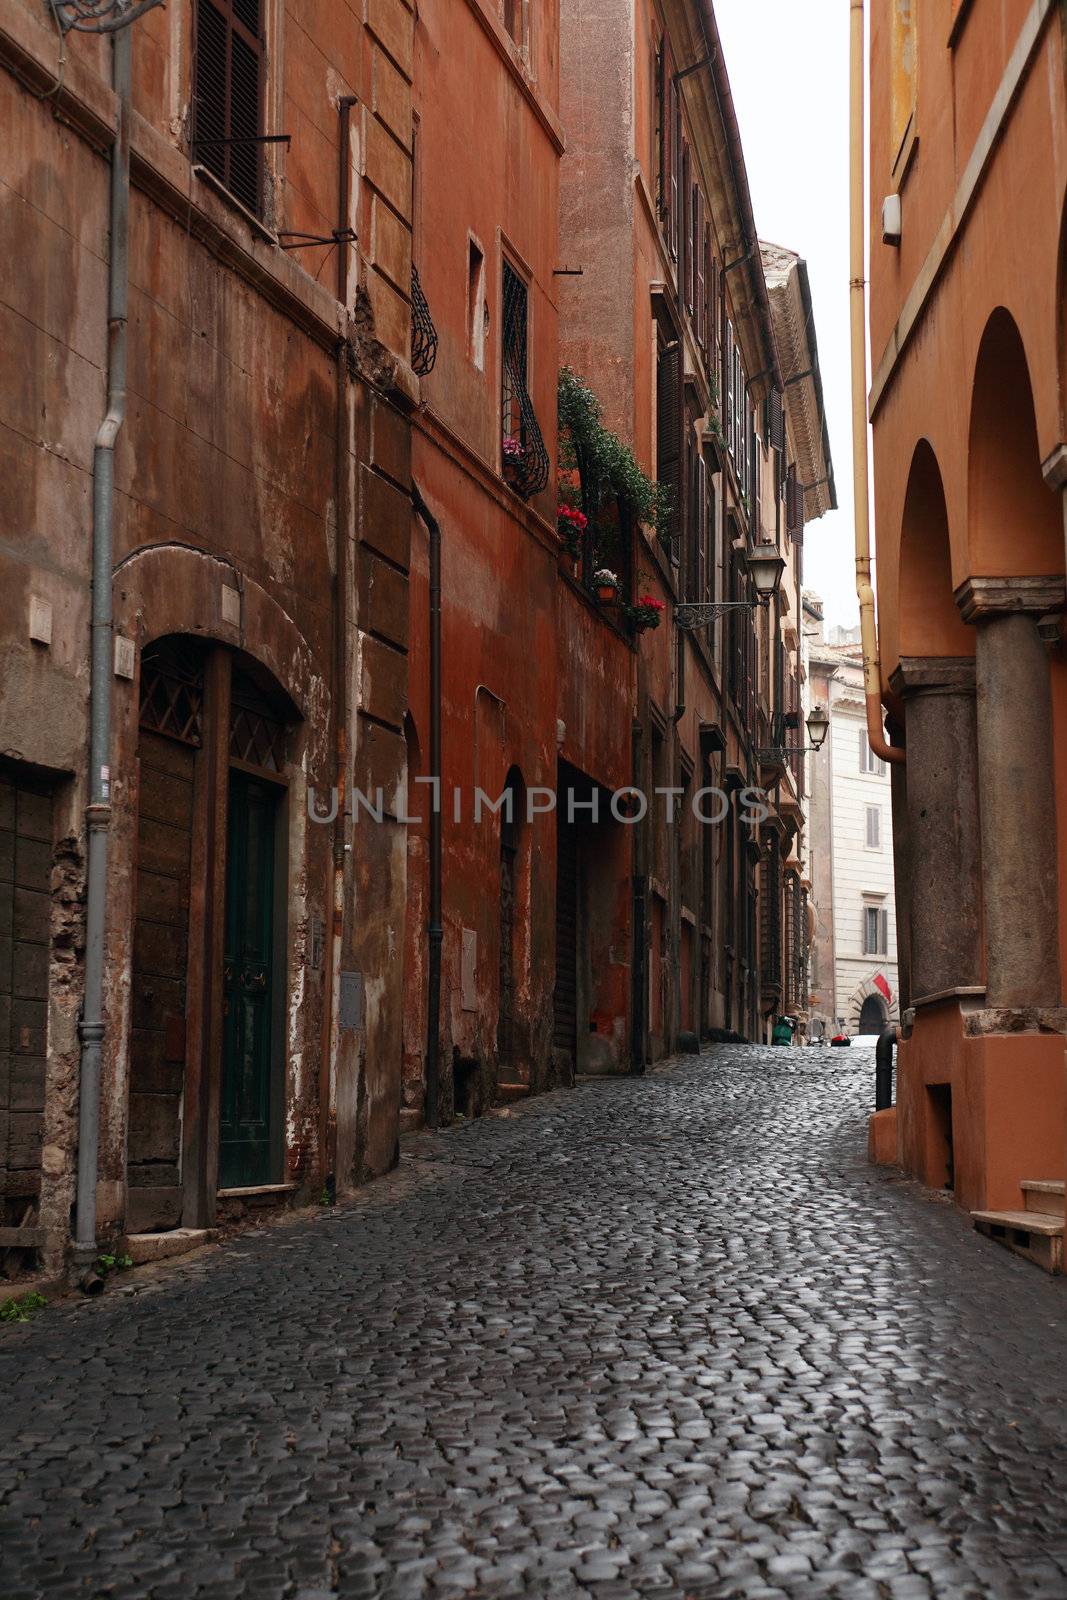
(765,567)
(818,727)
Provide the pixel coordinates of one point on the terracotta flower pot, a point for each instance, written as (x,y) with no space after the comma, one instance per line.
(605,593)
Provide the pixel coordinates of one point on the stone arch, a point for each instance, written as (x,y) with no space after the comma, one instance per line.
(172,592)
(866,991)
(1015,525)
(172,589)
(929,619)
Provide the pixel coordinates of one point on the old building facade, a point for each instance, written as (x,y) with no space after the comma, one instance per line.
(969,348)
(854,984)
(368,439)
(249,358)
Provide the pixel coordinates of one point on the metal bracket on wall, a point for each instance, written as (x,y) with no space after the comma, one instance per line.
(299,241)
(701,614)
(98,16)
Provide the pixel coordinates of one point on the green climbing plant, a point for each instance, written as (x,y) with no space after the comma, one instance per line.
(600,474)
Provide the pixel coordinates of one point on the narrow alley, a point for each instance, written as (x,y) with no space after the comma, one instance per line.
(661,1336)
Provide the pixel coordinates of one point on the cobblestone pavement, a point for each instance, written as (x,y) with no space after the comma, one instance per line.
(668,1336)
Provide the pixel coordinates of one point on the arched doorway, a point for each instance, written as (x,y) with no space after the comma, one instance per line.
(206,1056)
(873,1015)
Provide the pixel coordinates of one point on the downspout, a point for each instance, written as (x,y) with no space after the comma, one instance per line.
(331,1030)
(872,670)
(435,930)
(98,811)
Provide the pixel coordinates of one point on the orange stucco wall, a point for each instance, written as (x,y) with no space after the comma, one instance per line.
(968,400)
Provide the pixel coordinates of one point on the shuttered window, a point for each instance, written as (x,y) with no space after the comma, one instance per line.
(228,96)
(669,438)
(875,930)
(874,828)
(700,293)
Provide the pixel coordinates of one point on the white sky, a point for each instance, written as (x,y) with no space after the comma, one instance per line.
(788,66)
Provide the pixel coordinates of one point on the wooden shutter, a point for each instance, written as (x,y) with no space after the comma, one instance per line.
(703,565)
(228,95)
(874,828)
(688,194)
(700,245)
(776,420)
(674,133)
(669,435)
(883,932)
(663,99)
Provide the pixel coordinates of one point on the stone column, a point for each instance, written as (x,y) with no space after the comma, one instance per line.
(943,834)
(898,778)
(1016,787)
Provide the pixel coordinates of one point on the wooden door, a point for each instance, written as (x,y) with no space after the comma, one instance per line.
(246,1156)
(25,907)
(160,963)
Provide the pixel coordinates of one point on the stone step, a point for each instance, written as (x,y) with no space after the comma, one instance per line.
(145,1247)
(1031,1234)
(1044,1195)
(506,1093)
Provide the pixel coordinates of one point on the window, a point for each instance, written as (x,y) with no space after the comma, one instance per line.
(477,310)
(669,438)
(869,762)
(875,930)
(522,447)
(874,827)
(228,96)
(668,140)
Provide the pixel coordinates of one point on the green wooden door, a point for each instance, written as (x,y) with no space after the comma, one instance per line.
(245,1142)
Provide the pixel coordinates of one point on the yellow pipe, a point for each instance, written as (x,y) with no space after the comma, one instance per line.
(872,670)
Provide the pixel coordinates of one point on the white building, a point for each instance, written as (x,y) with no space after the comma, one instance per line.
(853,978)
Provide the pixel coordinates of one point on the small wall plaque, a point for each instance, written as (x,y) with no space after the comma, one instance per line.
(350,1009)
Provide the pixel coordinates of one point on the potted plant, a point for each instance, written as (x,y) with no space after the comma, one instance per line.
(571,525)
(645,612)
(606,584)
(513,453)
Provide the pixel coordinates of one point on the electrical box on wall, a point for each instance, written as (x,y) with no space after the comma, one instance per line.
(892,216)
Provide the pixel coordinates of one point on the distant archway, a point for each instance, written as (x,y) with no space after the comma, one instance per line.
(874,1014)
(930,622)
(1015,525)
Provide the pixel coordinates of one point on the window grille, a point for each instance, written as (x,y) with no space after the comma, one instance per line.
(172,691)
(228,96)
(257,733)
(423,331)
(525,458)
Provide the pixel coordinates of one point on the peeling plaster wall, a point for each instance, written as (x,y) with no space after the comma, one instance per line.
(226,479)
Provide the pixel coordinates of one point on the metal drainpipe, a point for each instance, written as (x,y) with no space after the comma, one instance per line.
(98,812)
(435,929)
(331,1029)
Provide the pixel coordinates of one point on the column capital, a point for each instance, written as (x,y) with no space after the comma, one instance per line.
(981,598)
(933,675)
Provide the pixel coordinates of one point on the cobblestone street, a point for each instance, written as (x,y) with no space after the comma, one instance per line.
(664,1336)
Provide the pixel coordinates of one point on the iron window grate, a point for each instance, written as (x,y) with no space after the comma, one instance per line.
(423,332)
